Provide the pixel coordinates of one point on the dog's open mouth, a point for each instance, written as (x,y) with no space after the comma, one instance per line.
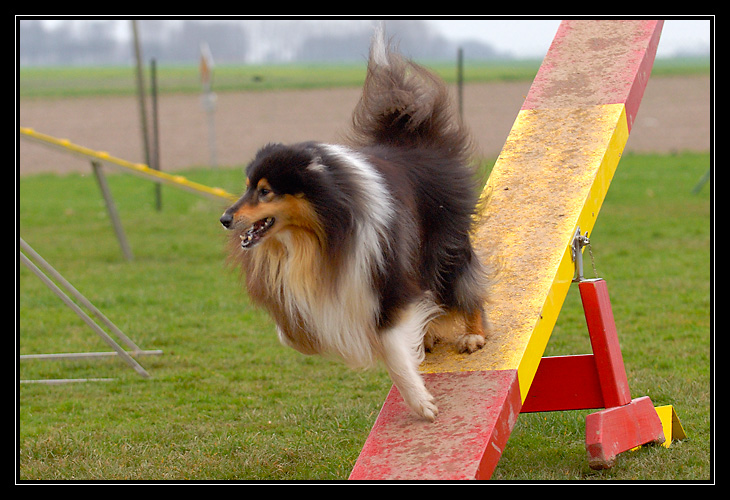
(257,231)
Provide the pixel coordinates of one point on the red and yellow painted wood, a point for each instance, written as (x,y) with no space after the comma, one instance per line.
(550,179)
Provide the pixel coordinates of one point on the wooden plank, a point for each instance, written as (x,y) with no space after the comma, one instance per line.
(589,66)
(476,410)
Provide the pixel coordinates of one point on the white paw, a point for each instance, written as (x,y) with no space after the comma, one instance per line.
(470,343)
(425,408)
(420,401)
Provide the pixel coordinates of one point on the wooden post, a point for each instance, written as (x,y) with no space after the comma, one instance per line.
(155,156)
(141,99)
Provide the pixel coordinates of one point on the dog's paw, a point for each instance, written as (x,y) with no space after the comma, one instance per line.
(429,341)
(426,409)
(423,405)
(470,343)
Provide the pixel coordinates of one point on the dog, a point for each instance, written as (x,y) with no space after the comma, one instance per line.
(356,248)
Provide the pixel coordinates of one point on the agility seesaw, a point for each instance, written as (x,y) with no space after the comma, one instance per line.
(545,192)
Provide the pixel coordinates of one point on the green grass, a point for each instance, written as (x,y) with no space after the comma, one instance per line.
(227,401)
(115,80)
(77,82)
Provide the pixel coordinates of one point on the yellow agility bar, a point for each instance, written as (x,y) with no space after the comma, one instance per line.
(139,169)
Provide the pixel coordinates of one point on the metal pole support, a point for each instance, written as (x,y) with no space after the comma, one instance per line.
(75,308)
(112,210)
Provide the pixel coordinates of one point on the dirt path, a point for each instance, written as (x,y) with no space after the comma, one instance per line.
(674,116)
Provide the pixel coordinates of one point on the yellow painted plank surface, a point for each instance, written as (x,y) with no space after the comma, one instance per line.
(551,177)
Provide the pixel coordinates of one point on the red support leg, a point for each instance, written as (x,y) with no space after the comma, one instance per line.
(625,424)
(604,340)
(597,380)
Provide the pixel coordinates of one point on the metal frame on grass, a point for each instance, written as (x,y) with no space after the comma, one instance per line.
(38,265)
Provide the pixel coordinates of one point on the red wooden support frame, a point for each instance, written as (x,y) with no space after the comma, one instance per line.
(597,380)
(604,341)
(615,430)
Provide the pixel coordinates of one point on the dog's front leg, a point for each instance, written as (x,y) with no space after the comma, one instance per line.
(403,353)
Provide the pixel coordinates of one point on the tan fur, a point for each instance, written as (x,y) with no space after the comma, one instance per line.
(288,274)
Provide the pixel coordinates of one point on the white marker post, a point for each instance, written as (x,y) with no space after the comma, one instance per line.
(208,98)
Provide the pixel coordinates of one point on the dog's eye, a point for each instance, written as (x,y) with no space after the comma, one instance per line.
(265,194)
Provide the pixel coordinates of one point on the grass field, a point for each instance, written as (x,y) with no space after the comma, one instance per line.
(117,80)
(226,401)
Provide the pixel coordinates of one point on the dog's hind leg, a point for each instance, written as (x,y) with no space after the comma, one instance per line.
(470,293)
(403,353)
(477,330)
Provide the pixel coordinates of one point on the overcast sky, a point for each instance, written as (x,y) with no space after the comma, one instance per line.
(531,38)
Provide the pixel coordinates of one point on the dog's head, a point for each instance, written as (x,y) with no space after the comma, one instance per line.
(280,184)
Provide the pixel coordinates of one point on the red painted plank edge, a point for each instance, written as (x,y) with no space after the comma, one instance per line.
(477,411)
(595,62)
(643,71)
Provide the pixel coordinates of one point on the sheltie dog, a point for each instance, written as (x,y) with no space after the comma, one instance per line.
(355,249)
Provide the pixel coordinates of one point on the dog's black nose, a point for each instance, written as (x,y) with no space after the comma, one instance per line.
(226,220)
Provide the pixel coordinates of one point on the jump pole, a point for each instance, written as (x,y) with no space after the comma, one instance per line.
(547,185)
(138,169)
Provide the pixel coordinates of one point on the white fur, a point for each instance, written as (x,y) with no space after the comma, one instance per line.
(403,353)
(344,319)
(372,229)
(379,47)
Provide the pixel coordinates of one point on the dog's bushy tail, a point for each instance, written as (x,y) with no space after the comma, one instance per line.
(404,104)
